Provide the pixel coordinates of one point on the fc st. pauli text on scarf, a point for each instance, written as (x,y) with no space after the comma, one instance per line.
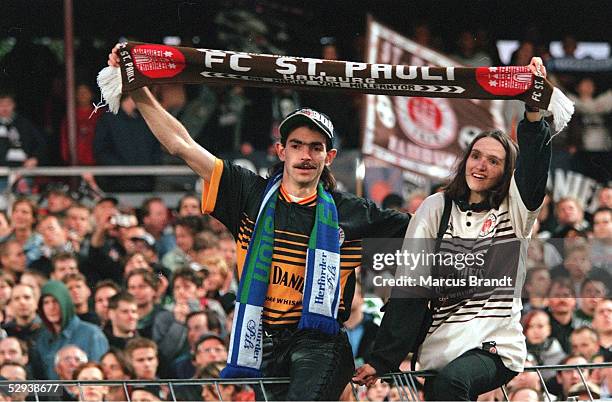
(150,64)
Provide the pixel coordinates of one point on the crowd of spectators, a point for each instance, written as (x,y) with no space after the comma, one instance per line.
(114,292)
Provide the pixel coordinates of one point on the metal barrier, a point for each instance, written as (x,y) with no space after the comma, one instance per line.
(14,174)
(55,388)
(406,383)
(408,389)
(144,170)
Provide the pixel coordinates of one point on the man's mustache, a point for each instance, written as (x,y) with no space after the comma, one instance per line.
(305,165)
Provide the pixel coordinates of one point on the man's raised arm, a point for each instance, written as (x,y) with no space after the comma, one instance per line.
(168,130)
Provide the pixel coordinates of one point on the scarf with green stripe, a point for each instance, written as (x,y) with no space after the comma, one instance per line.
(321,284)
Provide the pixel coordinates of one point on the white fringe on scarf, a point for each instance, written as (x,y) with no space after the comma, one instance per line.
(109,81)
(561,108)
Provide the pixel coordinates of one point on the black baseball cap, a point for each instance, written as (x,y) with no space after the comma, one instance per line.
(307,116)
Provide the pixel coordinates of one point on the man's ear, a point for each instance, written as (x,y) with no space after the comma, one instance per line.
(280,151)
(331,155)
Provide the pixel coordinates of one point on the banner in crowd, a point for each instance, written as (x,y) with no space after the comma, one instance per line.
(423,135)
(581,175)
(574,65)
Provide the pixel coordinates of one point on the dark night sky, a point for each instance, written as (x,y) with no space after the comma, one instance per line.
(507,19)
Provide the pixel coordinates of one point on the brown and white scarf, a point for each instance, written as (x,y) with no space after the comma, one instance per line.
(150,64)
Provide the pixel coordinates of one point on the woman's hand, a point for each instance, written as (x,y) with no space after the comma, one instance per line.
(536,66)
(365,375)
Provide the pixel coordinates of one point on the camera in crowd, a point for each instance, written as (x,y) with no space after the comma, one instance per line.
(124,220)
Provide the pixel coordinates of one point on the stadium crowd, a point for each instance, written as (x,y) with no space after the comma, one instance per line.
(99,288)
(148,293)
(113,292)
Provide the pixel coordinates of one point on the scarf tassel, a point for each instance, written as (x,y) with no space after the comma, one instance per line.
(561,108)
(327,325)
(109,81)
(235,371)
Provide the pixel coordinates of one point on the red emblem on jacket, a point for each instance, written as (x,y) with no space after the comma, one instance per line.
(488,225)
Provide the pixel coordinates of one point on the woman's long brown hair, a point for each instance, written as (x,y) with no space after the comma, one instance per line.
(458,187)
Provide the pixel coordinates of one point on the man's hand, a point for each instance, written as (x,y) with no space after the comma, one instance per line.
(181,310)
(113,57)
(365,375)
(113,61)
(168,130)
(162,287)
(76,240)
(99,233)
(5,228)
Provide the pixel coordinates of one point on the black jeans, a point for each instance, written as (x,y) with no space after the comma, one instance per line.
(319,365)
(471,374)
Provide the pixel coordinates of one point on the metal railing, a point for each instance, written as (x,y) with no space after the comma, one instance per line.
(14,174)
(406,382)
(42,389)
(409,391)
(145,170)
(577,367)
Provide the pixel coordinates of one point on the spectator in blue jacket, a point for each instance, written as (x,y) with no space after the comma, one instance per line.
(63,327)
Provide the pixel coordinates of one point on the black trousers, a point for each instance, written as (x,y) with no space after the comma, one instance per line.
(319,365)
(471,374)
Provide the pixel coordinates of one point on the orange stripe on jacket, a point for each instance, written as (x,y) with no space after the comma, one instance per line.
(210,189)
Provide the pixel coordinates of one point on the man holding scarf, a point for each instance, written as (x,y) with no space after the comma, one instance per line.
(299,242)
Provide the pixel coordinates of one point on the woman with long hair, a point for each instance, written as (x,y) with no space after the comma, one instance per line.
(466,324)
(116,367)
